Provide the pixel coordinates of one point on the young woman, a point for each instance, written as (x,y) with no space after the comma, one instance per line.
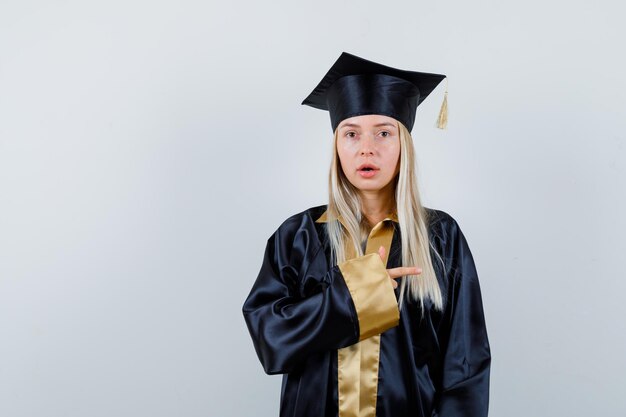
(326,310)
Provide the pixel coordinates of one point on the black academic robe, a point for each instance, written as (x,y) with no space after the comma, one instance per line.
(300,312)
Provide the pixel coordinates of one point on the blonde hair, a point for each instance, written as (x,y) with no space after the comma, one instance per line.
(344,201)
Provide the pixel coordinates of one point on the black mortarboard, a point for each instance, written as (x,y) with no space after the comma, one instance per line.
(355,86)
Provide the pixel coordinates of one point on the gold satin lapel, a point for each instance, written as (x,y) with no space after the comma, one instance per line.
(324,218)
(349,380)
(357,367)
(370,355)
(370,349)
(348,369)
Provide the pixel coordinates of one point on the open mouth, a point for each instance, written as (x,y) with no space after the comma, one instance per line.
(367,167)
(367,171)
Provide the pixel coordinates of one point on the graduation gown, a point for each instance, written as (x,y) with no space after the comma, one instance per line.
(342,345)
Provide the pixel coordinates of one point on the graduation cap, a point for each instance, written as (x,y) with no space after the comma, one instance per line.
(354,86)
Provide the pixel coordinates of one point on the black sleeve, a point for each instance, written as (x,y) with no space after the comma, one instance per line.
(297,306)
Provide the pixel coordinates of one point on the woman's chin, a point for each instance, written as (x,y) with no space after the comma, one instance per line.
(370,186)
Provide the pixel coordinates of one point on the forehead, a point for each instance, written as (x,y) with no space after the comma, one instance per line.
(369,120)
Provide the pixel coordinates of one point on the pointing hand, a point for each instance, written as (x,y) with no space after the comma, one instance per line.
(400,271)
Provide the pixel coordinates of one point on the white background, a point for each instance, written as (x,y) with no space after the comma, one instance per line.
(148,149)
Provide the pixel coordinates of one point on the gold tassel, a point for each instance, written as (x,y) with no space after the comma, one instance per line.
(442,120)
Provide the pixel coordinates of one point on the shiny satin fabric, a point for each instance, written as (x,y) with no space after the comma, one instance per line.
(377,310)
(355,86)
(372,294)
(299,313)
(359,94)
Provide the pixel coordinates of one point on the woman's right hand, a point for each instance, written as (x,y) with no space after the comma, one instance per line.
(395,273)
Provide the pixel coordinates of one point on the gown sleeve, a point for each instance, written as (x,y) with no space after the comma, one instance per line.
(467,358)
(298,306)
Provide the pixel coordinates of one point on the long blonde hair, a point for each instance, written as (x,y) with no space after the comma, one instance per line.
(344,201)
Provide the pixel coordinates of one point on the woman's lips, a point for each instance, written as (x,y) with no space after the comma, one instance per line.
(367,173)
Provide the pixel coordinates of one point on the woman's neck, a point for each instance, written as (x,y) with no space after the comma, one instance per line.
(376,205)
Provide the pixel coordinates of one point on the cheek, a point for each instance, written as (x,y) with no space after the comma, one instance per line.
(345,147)
(344,156)
(392,157)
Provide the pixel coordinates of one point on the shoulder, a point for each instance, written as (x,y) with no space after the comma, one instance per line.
(303,219)
(310,214)
(300,225)
(440,221)
(297,240)
(443,229)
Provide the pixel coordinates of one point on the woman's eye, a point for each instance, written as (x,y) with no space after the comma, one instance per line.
(351,134)
(384,133)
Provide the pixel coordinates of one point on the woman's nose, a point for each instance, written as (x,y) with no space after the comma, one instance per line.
(367,145)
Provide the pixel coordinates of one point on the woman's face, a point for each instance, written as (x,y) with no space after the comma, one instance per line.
(371,140)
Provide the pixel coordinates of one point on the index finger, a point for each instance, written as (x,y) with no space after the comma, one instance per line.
(403,270)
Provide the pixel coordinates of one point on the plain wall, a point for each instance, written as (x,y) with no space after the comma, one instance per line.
(148,149)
